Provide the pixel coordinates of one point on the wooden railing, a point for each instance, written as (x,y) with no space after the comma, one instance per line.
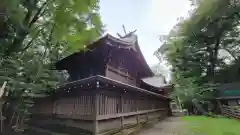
(231,111)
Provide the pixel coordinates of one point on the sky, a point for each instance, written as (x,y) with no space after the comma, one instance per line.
(151,18)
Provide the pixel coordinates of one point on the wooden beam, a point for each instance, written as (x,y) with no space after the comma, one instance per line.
(104,117)
(106,80)
(66,116)
(96,113)
(127,86)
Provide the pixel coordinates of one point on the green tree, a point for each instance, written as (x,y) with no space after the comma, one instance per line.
(34,35)
(193,47)
(73,22)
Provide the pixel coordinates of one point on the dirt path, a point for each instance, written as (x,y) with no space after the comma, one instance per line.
(169,126)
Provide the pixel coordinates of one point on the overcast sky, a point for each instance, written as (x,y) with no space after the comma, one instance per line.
(151,18)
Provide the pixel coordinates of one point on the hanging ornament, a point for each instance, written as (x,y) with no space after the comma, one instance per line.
(97,84)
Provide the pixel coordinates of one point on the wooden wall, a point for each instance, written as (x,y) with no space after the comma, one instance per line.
(121,75)
(104,110)
(113,102)
(75,106)
(109,103)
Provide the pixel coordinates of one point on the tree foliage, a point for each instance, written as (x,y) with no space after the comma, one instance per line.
(70,21)
(200,47)
(34,35)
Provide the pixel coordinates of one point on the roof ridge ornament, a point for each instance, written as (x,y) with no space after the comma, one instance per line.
(130,33)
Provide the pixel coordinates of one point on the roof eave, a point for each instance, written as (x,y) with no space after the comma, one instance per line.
(108,80)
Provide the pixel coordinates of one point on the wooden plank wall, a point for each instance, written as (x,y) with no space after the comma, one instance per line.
(109,103)
(119,75)
(72,106)
(113,103)
(84,105)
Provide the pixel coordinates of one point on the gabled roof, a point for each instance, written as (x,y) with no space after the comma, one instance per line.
(127,42)
(156,81)
(131,42)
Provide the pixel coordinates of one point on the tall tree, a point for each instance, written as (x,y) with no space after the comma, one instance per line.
(193,47)
(34,35)
(200,37)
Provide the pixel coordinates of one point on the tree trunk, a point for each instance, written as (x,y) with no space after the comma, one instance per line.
(213,57)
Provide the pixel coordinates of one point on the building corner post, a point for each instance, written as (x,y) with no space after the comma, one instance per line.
(96,110)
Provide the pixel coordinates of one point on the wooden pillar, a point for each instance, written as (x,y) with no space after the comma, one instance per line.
(95,113)
(137,106)
(138,119)
(147,117)
(122,111)
(122,104)
(122,125)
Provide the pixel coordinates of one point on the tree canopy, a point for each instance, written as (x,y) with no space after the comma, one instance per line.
(34,35)
(204,47)
(25,22)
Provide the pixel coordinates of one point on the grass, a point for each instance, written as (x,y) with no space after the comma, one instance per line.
(201,125)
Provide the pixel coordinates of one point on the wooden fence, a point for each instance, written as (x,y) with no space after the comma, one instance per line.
(231,111)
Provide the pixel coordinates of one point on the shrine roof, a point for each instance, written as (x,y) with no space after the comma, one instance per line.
(127,42)
(156,81)
(101,79)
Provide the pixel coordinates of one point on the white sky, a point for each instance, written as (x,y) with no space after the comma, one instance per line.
(151,18)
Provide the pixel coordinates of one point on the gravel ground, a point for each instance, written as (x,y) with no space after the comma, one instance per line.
(169,126)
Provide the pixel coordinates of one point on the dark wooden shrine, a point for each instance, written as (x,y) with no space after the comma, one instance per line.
(109,88)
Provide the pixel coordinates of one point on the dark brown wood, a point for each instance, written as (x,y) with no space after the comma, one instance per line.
(104,88)
(104,117)
(107,50)
(120,75)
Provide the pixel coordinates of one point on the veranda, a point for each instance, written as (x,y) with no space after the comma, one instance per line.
(98,105)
